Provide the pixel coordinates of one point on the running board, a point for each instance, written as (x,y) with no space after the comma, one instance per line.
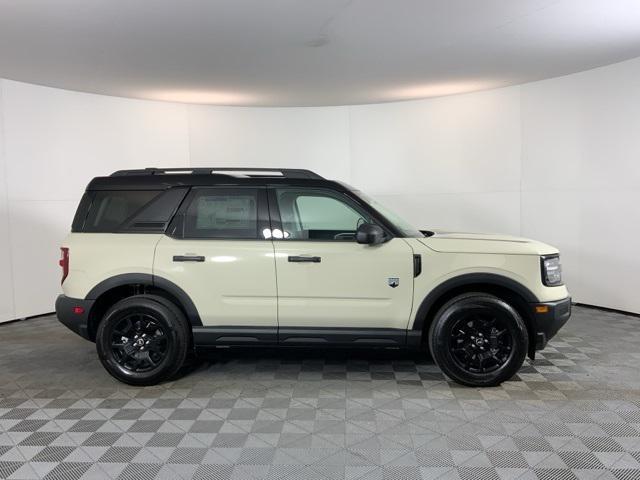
(206,337)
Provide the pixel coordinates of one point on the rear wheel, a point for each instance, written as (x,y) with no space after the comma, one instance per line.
(478,340)
(143,340)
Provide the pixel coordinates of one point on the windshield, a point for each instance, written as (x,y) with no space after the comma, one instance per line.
(400,223)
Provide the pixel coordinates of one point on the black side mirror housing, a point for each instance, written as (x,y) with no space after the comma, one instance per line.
(370,234)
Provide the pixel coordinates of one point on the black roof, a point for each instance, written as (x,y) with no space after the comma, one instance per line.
(162,178)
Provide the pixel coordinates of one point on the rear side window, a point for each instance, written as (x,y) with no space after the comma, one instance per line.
(222,213)
(110,209)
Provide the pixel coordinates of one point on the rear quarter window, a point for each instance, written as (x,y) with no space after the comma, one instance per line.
(81,212)
(110,209)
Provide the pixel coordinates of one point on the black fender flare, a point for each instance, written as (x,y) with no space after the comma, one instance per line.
(468,279)
(151,281)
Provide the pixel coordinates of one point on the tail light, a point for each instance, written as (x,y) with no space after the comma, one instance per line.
(64,262)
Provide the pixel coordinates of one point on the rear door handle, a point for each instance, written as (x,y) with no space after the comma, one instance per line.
(188,258)
(298,259)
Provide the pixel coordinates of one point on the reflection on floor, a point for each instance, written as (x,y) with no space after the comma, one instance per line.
(575,413)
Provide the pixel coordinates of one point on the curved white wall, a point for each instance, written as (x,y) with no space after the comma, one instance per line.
(555,160)
(53,141)
(581,179)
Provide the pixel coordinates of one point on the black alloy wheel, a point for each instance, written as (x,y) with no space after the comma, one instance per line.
(139,342)
(143,340)
(478,339)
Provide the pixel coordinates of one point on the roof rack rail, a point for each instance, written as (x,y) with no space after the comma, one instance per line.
(235,172)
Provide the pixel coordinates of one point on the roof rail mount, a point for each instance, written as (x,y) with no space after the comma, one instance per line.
(232,172)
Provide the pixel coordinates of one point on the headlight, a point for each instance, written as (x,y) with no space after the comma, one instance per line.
(551,270)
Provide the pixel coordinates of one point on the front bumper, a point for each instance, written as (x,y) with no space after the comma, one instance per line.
(550,319)
(68,313)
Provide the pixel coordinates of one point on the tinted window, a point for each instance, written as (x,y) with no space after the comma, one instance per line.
(110,209)
(318,215)
(154,216)
(222,213)
(81,212)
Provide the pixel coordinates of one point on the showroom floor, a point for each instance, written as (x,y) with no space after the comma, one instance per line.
(316,415)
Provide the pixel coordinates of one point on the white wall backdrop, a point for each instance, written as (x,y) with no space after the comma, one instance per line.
(313,138)
(55,141)
(6,276)
(554,160)
(581,178)
(451,162)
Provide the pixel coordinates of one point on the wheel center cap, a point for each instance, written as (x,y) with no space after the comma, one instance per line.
(140,342)
(479,341)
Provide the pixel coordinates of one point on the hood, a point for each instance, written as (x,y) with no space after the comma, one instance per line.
(451,242)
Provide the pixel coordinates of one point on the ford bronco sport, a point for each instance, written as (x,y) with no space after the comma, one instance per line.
(165,263)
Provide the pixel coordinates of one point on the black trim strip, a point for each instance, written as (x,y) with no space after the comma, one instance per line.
(118,281)
(417,265)
(548,323)
(77,323)
(414,339)
(141,182)
(469,279)
(204,337)
(149,280)
(348,337)
(234,336)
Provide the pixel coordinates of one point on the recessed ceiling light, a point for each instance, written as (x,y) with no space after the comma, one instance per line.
(438,89)
(202,97)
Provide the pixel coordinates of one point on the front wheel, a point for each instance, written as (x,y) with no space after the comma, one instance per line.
(478,340)
(143,340)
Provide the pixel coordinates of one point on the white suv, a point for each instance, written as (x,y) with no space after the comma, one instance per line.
(164,263)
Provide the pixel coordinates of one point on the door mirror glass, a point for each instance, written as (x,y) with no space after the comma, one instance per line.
(369,234)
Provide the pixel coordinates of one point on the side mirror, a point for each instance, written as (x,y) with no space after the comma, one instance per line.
(369,234)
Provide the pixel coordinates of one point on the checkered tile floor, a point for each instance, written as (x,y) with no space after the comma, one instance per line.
(575,413)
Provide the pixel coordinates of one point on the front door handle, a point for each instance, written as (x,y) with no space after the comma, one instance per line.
(188,258)
(298,259)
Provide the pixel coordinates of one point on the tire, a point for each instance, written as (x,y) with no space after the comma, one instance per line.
(143,340)
(459,345)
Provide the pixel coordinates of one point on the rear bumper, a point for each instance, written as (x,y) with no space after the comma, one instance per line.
(69,315)
(550,321)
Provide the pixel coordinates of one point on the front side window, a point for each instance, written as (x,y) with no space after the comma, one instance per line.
(222,213)
(318,215)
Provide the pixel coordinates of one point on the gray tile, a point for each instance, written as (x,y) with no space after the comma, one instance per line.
(250,414)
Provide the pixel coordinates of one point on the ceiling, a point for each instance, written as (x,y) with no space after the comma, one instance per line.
(308,52)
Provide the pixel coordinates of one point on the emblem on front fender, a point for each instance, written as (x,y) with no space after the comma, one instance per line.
(393,282)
